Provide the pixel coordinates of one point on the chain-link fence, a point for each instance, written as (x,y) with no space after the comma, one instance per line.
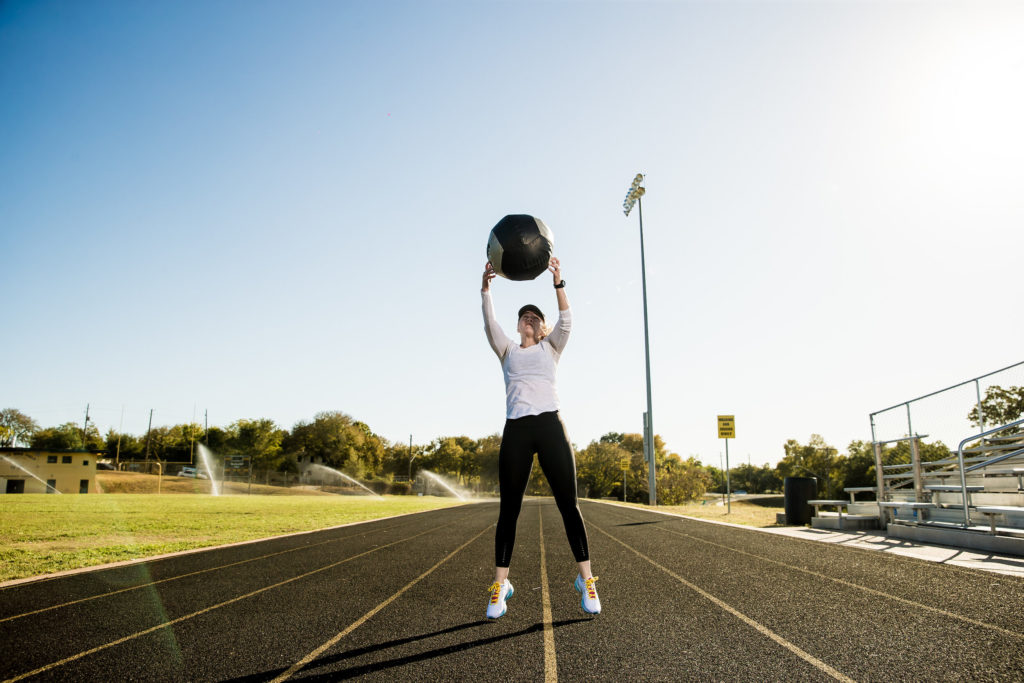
(947,415)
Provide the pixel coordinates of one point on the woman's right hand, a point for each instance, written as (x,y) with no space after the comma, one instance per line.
(489,275)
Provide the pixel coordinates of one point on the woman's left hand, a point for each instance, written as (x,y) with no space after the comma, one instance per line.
(556,269)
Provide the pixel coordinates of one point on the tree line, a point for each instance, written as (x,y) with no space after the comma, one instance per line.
(607,467)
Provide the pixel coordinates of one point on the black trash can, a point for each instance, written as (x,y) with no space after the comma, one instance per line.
(797,491)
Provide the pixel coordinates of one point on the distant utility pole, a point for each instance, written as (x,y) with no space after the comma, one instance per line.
(192,437)
(411,458)
(149,430)
(85,428)
(120,427)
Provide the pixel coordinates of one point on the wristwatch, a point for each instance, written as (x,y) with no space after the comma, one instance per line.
(560,285)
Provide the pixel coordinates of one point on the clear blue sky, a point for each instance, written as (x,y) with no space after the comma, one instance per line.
(270,209)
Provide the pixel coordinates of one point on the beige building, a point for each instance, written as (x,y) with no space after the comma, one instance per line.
(29,470)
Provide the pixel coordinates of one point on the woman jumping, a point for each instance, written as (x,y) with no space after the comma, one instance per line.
(534,426)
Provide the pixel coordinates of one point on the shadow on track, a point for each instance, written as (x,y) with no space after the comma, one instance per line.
(362,670)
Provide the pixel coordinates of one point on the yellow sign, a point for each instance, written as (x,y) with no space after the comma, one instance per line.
(624,464)
(726,427)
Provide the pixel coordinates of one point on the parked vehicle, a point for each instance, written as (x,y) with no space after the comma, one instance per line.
(187,472)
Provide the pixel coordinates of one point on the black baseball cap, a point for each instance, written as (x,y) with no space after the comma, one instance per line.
(531,308)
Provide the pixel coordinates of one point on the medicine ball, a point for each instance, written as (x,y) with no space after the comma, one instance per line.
(520,247)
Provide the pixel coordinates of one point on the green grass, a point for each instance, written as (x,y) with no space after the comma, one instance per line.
(41,534)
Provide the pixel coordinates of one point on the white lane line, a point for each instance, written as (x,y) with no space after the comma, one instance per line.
(42,578)
(183,576)
(362,620)
(850,584)
(186,617)
(223,566)
(550,663)
(806,656)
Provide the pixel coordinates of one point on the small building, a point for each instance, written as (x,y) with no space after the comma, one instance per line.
(33,470)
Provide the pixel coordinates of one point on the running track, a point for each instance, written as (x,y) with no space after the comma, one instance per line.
(403,599)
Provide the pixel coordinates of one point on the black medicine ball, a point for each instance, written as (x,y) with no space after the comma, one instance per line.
(520,247)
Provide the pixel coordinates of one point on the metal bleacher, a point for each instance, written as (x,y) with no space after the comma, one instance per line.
(974,499)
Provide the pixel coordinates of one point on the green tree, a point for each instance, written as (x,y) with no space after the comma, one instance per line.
(16,426)
(858,467)
(370,451)
(900,452)
(332,436)
(598,468)
(680,481)
(68,436)
(395,461)
(157,442)
(750,478)
(452,456)
(485,457)
(769,479)
(816,459)
(1000,406)
(443,456)
(602,473)
(123,446)
(260,439)
(186,438)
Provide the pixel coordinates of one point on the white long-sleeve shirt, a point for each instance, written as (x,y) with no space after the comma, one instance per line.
(530,387)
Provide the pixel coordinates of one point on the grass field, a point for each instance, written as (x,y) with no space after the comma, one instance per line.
(40,533)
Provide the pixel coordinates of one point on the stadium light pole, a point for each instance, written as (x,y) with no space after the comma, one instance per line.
(636,191)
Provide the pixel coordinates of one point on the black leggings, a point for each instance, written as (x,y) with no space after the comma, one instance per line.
(544,435)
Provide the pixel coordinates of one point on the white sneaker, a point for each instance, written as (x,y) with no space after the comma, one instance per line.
(587,589)
(500,592)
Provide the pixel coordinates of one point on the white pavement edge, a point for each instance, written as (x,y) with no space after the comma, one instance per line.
(1010,565)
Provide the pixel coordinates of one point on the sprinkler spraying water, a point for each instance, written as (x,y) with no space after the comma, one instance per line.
(438,479)
(207,457)
(29,473)
(330,471)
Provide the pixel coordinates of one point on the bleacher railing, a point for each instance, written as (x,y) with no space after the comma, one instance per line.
(987,461)
(912,439)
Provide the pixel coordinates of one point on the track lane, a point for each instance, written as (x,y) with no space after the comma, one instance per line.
(438,631)
(263,637)
(46,593)
(860,634)
(649,629)
(157,616)
(920,584)
(654,626)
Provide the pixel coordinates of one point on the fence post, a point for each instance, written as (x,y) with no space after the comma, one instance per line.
(910,427)
(880,482)
(915,463)
(981,415)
